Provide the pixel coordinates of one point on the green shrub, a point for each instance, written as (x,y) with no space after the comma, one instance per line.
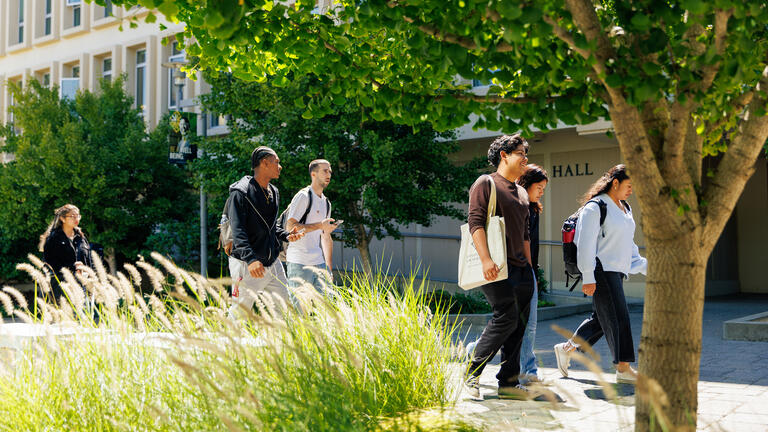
(370,359)
(471,303)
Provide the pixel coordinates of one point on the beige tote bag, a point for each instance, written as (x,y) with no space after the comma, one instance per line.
(470,266)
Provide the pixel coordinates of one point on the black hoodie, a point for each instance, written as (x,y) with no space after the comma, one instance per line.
(255,234)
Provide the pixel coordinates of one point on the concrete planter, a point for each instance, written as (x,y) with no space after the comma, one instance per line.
(748,328)
(544,314)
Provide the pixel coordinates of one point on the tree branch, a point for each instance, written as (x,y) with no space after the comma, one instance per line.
(498,99)
(721,32)
(692,153)
(737,166)
(462,41)
(566,37)
(674,139)
(586,20)
(655,115)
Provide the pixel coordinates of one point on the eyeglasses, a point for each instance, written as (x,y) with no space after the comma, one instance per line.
(520,153)
(75,216)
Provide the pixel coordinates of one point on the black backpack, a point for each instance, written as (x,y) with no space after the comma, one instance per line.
(282,221)
(569,247)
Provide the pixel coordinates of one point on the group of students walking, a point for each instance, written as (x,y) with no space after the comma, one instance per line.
(258,234)
(604,238)
(606,254)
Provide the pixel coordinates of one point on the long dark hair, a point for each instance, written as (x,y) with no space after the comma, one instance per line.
(604,183)
(533,174)
(59,214)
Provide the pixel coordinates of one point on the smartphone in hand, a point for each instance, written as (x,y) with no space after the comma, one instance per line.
(339,222)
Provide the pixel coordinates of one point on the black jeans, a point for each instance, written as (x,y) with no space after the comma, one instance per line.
(610,317)
(511,303)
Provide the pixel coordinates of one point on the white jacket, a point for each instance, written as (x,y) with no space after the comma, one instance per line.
(613,243)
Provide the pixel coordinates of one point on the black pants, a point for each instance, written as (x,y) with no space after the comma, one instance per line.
(511,303)
(610,317)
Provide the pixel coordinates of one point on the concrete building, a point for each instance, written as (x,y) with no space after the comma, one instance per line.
(73,44)
(575,157)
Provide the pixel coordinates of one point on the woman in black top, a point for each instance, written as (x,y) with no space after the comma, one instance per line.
(534,180)
(64,246)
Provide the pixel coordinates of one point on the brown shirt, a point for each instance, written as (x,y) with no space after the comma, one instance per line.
(511,204)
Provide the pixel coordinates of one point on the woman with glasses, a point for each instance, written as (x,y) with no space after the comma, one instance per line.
(64,246)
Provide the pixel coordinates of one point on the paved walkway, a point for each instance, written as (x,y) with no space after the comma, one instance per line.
(733,386)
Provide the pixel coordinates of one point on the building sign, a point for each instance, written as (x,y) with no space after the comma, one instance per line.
(575,170)
(180,146)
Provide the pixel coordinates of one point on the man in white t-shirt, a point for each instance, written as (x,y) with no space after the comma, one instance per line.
(310,210)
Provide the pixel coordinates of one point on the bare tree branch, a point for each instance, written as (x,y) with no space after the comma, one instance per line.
(721,32)
(737,165)
(655,115)
(692,153)
(674,138)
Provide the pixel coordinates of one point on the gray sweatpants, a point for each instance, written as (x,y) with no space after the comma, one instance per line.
(246,288)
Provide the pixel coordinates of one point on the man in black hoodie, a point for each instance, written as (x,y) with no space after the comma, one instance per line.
(253,213)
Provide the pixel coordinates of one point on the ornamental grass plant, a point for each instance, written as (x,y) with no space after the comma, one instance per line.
(152,348)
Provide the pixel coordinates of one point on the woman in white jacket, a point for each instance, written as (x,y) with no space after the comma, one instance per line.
(606,254)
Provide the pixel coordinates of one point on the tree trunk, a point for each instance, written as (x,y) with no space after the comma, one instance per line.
(365,253)
(111,261)
(670,345)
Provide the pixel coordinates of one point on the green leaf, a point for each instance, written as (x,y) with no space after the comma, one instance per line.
(640,22)
(695,6)
(151,18)
(614,80)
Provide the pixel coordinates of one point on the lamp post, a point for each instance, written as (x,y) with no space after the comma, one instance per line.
(179,80)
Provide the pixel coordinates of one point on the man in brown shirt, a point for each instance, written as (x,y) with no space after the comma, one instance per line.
(510,298)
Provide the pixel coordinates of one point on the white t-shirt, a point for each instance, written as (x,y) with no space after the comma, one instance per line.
(307,250)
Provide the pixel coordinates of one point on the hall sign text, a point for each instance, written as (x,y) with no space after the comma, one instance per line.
(575,170)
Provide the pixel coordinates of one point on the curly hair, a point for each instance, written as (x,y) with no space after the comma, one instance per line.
(604,183)
(506,144)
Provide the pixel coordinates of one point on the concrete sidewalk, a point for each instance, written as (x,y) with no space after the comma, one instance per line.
(733,386)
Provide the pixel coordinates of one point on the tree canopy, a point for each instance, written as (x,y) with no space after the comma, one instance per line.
(93,152)
(384,175)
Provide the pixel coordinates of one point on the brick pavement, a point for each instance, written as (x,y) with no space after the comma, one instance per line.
(733,384)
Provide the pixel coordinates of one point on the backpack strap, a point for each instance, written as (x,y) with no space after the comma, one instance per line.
(626,205)
(327,208)
(603,209)
(303,219)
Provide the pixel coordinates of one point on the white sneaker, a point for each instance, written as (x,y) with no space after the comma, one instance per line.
(472,386)
(563,358)
(629,376)
(471,350)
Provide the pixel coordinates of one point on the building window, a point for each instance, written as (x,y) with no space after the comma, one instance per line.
(21,21)
(48,17)
(75,71)
(174,96)
(46,80)
(215,120)
(108,8)
(141,75)
(11,102)
(75,16)
(106,69)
